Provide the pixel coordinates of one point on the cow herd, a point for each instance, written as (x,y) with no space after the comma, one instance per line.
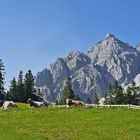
(36,104)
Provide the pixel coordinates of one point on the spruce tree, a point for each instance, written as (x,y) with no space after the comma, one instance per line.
(118,93)
(29,85)
(128,96)
(2,78)
(95,97)
(109,96)
(115,94)
(133,94)
(57,103)
(13,94)
(67,91)
(20,88)
(39,93)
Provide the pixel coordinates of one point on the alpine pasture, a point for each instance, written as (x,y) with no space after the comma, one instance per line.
(60,123)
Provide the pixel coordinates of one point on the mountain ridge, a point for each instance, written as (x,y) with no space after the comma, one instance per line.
(108,60)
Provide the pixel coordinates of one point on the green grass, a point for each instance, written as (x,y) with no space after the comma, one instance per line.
(50,123)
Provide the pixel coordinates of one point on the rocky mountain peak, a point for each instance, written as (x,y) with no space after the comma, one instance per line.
(76,60)
(110,35)
(74,53)
(111,40)
(116,56)
(108,60)
(110,45)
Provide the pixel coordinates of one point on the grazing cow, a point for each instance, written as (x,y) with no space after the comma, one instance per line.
(36,104)
(70,102)
(8,104)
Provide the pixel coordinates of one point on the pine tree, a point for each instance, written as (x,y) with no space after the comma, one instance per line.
(118,93)
(39,93)
(67,91)
(95,97)
(57,103)
(115,94)
(109,96)
(133,94)
(2,78)
(128,96)
(13,94)
(29,85)
(20,88)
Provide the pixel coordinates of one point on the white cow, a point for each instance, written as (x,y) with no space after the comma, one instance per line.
(36,104)
(8,104)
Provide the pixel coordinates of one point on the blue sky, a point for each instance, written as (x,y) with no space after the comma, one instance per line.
(33,33)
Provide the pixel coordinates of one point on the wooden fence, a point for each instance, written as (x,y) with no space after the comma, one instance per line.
(109,106)
(104,106)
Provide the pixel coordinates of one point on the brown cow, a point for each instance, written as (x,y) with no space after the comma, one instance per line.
(8,104)
(70,102)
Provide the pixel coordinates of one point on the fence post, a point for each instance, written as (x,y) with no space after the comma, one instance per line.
(96,105)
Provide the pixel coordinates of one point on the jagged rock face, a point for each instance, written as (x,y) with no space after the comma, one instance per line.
(108,60)
(59,70)
(75,60)
(137,80)
(87,78)
(43,78)
(138,47)
(118,58)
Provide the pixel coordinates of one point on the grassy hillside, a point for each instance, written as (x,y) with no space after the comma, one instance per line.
(69,124)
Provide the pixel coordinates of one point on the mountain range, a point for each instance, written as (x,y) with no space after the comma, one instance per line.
(108,60)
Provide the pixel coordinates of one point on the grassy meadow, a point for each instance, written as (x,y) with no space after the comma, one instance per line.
(52,123)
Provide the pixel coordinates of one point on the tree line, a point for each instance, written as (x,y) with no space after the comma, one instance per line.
(23,88)
(117,95)
(20,90)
